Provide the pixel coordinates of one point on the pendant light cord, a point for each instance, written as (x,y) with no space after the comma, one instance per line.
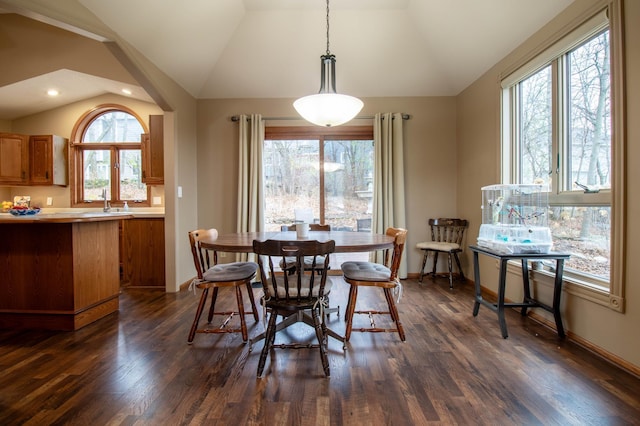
(328,51)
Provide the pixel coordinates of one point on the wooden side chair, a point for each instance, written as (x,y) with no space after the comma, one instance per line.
(211,275)
(289,263)
(369,274)
(446,237)
(297,297)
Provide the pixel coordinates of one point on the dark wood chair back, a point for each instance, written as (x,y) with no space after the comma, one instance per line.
(302,283)
(448,230)
(297,294)
(288,265)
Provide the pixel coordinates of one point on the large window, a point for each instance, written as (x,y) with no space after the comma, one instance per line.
(320,175)
(558,121)
(107,157)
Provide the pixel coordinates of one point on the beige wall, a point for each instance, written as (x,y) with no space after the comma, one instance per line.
(430,158)
(478,164)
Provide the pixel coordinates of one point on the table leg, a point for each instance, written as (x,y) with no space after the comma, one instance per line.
(557,292)
(527,287)
(476,278)
(501,291)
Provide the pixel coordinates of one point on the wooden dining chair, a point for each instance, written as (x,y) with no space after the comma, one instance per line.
(369,274)
(211,275)
(446,237)
(289,264)
(297,297)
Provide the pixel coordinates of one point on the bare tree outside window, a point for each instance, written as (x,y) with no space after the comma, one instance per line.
(590,113)
(536,128)
(331,177)
(580,111)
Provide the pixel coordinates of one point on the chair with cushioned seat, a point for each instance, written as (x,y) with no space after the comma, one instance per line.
(211,275)
(289,263)
(296,297)
(446,237)
(370,274)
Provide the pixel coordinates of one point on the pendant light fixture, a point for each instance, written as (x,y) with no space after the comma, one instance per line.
(328,108)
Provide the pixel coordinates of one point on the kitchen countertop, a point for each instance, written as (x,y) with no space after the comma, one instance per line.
(66,215)
(7,218)
(134,211)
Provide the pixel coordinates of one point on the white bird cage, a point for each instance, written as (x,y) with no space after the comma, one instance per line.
(515,219)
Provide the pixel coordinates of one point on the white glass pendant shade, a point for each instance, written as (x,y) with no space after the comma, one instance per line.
(328,109)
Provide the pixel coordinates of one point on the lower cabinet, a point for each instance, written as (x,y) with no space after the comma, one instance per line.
(53,274)
(142,253)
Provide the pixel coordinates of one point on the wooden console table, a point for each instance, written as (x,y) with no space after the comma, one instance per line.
(528,301)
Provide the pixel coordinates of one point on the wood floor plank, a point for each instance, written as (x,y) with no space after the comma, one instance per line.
(134,367)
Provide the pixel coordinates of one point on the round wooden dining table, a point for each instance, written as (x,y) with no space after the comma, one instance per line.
(346,241)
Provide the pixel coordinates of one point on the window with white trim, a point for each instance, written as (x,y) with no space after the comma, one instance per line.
(559,128)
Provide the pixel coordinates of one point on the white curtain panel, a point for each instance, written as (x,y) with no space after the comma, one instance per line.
(388,196)
(250,184)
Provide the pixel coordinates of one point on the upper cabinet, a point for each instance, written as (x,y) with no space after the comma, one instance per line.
(153,152)
(33,160)
(14,159)
(48,160)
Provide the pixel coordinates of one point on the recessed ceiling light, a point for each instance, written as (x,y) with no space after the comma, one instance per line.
(126,91)
(52,92)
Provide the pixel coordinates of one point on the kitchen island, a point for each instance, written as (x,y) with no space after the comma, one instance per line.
(58,271)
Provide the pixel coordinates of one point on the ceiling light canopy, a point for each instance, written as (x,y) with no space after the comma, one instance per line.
(328,108)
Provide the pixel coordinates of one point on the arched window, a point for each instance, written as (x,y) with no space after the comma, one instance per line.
(107,157)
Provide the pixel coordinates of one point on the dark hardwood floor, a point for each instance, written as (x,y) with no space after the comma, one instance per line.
(135,367)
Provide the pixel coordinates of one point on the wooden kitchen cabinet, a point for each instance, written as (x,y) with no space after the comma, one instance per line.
(153,152)
(142,252)
(48,159)
(14,159)
(59,272)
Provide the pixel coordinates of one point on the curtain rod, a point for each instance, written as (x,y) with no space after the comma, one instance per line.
(363,117)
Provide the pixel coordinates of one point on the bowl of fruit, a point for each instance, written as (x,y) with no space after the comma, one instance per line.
(6,205)
(23,211)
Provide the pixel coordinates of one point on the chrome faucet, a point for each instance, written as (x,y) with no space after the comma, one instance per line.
(107,204)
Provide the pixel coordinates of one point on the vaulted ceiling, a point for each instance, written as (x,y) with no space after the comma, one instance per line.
(272,48)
